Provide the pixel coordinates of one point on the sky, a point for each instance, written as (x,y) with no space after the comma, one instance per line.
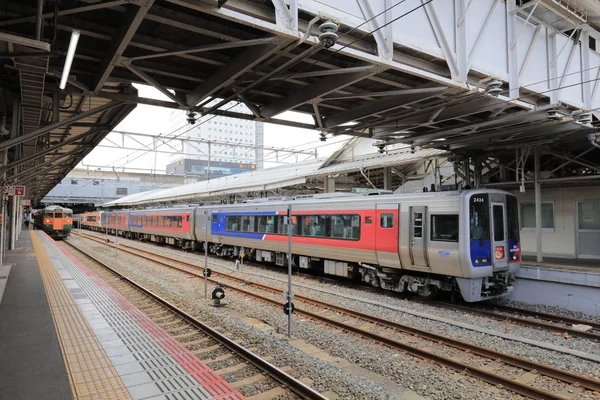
(155,120)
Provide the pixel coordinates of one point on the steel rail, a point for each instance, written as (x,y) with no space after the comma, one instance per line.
(546,316)
(489,377)
(304,391)
(502,317)
(526,322)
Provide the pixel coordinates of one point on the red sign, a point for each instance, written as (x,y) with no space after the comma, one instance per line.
(499,252)
(19,190)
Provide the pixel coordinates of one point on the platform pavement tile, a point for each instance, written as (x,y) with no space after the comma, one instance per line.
(122,359)
(137,378)
(143,391)
(128,368)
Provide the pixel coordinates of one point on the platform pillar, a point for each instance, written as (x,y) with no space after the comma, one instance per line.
(329,184)
(13,222)
(538,204)
(387,178)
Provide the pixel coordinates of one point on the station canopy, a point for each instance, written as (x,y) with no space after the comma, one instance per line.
(514,74)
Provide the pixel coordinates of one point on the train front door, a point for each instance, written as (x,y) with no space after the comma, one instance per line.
(417,236)
(499,236)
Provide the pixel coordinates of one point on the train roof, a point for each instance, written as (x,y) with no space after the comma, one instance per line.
(321,198)
(56,208)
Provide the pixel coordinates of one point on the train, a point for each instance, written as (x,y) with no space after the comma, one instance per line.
(465,243)
(56,221)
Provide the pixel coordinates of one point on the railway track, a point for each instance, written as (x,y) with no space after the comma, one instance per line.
(554,323)
(213,348)
(510,372)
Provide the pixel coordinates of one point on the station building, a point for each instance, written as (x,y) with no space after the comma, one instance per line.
(230,146)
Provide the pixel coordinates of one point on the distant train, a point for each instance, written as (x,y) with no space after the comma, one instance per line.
(56,221)
(459,242)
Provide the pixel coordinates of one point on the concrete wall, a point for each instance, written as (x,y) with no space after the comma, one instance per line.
(560,241)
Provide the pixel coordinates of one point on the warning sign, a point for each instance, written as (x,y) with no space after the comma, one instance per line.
(19,190)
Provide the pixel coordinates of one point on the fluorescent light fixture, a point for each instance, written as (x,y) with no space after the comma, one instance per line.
(69,60)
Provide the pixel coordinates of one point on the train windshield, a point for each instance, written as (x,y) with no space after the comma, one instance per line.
(479,214)
(57,215)
(48,215)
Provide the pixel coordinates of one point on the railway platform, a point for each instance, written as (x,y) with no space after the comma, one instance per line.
(571,284)
(66,334)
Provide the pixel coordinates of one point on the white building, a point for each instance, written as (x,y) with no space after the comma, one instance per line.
(230,147)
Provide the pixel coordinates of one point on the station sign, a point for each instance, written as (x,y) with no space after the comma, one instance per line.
(26,203)
(17,190)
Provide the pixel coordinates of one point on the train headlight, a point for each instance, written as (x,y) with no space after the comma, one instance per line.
(47,221)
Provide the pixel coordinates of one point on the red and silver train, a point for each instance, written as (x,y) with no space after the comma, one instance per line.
(460,242)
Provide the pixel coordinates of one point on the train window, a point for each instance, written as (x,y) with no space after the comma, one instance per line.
(260,225)
(179,221)
(386,220)
(233,222)
(498,213)
(58,215)
(316,225)
(48,215)
(246,223)
(187,218)
(368,220)
(214,218)
(345,226)
(418,225)
(282,224)
(270,224)
(479,217)
(444,228)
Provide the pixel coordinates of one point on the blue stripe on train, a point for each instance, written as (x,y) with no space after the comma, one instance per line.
(220,226)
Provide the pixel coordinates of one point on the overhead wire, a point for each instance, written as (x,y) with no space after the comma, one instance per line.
(288,77)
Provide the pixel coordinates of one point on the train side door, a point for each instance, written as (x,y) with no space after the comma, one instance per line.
(417,236)
(387,225)
(499,236)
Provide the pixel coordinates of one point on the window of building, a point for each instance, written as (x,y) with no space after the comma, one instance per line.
(444,228)
(528,215)
(386,220)
(121,191)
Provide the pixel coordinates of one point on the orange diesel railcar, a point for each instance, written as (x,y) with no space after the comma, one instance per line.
(56,221)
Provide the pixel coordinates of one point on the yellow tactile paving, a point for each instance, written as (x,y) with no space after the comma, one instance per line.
(90,371)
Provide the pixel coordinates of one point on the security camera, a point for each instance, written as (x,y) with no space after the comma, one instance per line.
(322,137)
(191,118)
(381,148)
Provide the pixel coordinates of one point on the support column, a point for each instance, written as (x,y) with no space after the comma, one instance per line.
(13,222)
(329,184)
(387,178)
(538,204)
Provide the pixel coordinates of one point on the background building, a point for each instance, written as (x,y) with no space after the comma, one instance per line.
(230,146)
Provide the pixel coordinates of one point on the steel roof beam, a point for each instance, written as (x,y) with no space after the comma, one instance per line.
(70,11)
(225,76)
(317,89)
(127,28)
(161,103)
(153,82)
(210,47)
(39,132)
(376,107)
(50,149)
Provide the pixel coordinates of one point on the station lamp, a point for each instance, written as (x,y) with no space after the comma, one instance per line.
(69,60)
